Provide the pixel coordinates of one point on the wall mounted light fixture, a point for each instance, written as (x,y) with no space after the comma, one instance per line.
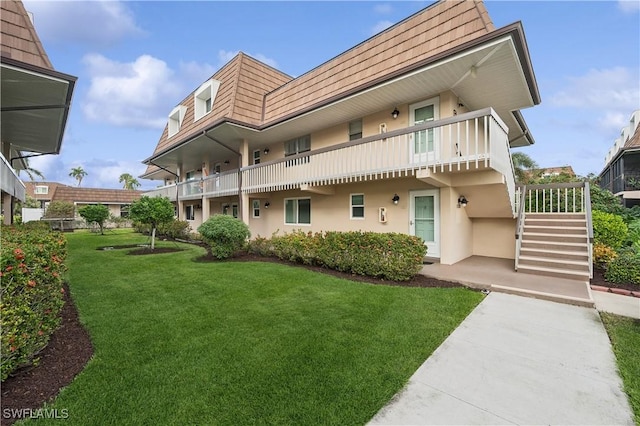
(462,201)
(395,198)
(395,113)
(266,151)
(267,204)
(226,161)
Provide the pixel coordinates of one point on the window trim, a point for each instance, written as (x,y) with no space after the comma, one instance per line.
(254,158)
(297,209)
(255,209)
(357,135)
(206,92)
(175,120)
(187,208)
(351,206)
(37,187)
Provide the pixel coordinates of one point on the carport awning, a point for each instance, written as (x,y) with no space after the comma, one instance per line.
(35,105)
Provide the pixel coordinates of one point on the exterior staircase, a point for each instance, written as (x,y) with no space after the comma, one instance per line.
(555,244)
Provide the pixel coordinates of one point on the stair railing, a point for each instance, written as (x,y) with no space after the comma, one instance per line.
(587,209)
(522,191)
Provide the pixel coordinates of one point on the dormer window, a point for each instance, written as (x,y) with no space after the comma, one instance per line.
(175,119)
(204,98)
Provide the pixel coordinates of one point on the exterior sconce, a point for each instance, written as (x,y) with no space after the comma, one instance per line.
(226,161)
(395,198)
(198,206)
(462,201)
(395,113)
(266,151)
(267,204)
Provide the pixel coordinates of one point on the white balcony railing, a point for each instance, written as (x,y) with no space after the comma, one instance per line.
(10,181)
(470,141)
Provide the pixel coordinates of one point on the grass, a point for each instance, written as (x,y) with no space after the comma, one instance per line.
(183,342)
(624,334)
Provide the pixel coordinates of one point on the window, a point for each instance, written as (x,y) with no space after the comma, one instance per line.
(189,212)
(357,206)
(297,211)
(216,168)
(256,208)
(355,129)
(297,146)
(233,207)
(190,175)
(175,119)
(124,210)
(41,190)
(204,98)
(256,156)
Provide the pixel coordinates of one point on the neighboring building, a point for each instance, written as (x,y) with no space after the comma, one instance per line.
(556,171)
(621,172)
(409,131)
(35,101)
(117,200)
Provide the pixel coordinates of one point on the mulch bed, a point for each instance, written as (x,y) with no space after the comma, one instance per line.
(70,347)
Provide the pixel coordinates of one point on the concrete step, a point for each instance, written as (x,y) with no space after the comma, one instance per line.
(555,222)
(556,216)
(556,229)
(549,237)
(571,247)
(554,272)
(550,262)
(557,253)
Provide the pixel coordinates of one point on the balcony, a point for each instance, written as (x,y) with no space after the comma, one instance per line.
(11,183)
(466,142)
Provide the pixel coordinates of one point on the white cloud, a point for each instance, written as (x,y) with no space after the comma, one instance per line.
(380,26)
(629,6)
(87,22)
(225,56)
(613,94)
(131,94)
(383,9)
(106,173)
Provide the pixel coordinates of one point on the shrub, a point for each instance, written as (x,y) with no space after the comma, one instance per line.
(625,268)
(31,265)
(609,229)
(95,213)
(603,255)
(225,235)
(391,256)
(60,210)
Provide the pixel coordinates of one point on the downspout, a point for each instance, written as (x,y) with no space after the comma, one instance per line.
(239,154)
(177,189)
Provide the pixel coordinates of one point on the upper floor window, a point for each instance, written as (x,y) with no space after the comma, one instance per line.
(175,119)
(297,146)
(355,129)
(190,175)
(204,98)
(41,189)
(256,156)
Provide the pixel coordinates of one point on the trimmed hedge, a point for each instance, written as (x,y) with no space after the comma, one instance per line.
(390,256)
(224,234)
(625,268)
(609,229)
(31,267)
(173,229)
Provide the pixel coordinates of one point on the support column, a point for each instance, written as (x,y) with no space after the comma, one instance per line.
(7,207)
(243,198)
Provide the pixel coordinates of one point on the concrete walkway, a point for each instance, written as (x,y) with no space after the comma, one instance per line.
(517,360)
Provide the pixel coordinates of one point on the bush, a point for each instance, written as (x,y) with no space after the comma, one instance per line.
(31,265)
(603,255)
(60,210)
(225,235)
(609,229)
(391,256)
(625,269)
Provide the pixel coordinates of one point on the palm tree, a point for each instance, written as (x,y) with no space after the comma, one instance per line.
(128,181)
(30,171)
(78,173)
(523,166)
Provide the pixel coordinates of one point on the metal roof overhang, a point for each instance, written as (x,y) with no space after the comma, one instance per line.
(503,79)
(34,104)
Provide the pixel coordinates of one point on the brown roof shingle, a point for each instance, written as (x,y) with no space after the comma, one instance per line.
(95,195)
(19,38)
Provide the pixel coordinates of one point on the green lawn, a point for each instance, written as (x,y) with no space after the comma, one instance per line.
(624,334)
(182,342)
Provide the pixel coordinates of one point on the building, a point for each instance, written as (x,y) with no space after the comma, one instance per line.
(409,131)
(621,172)
(117,200)
(35,101)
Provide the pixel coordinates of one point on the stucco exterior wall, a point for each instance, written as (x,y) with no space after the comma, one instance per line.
(494,237)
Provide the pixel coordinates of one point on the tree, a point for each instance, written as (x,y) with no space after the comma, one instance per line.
(128,181)
(30,171)
(95,213)
(78,174)
(152,211)
(523,166)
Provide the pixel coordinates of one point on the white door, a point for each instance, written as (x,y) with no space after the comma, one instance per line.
(424,219)
(424,144)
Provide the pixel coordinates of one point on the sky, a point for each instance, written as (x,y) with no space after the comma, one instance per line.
(136,60)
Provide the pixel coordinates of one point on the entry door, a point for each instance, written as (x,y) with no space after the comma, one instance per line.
(424,220)
(424,146)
